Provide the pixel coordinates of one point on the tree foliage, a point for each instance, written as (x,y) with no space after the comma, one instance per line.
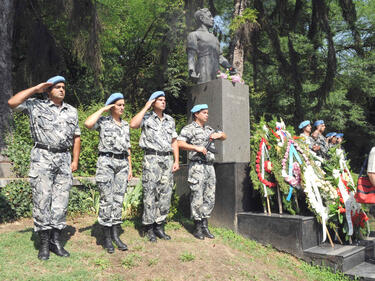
(302,59)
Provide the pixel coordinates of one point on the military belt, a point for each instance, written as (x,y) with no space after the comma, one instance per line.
(202,162)
(51,149)
(159,153)
(114,155)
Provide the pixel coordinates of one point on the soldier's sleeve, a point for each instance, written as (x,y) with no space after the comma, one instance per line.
(174,133)
(77,130)
(147,115)
(26,106)
(98,123)
(128,136)
(184,135)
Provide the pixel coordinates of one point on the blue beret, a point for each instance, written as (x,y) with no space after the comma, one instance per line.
(156,95)
(198,107)
(340,135)
(331,134)
(56,79)
(318,122)
(303,124)
(113,98)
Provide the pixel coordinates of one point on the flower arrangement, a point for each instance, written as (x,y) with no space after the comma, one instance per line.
(316,180)
(227,75)
(258,160)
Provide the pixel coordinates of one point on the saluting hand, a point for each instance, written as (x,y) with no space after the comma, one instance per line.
(42,87)
(108,107)
(149,104)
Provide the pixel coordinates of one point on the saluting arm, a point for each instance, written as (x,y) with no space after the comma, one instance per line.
(136,121)
(20,97)
(93,118)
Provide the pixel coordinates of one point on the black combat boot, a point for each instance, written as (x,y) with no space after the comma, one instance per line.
(150,232)
(198,230)
(44,245)
(206,232)
(107,244)
(115,229)
(55,244)
(159,231)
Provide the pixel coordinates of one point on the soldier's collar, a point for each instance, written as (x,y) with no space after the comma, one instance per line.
(156,116)
(50,103)
(121,121)
(197,125)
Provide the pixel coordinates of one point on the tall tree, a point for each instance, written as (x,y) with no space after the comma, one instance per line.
(6,32)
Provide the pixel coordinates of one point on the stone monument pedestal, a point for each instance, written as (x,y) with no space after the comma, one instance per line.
(228,110)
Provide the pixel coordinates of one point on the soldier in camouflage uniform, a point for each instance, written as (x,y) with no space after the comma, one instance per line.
(321,141)
(159,141)
(198,138)
(54,129)
(114,167)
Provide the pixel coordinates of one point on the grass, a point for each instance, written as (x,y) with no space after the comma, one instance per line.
(186,256)
(131,261)
(238,258)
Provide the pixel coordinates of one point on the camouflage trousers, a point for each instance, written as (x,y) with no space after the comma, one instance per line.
(157,181)
(112,181)
(202,181)
(51,179)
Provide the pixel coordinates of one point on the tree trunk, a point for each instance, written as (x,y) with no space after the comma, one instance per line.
(6,31)
(238,50)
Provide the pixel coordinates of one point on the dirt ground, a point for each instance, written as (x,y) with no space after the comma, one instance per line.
(182,258)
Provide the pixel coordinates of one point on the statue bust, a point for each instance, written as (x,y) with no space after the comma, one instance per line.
(203,49)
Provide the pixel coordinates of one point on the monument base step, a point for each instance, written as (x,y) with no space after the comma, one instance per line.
(289,233)
(364,271)
(339,257)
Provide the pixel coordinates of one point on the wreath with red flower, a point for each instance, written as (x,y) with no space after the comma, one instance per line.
(257,166)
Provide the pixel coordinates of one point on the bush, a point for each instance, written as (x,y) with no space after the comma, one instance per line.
(19,144)
(90,140)
(15,201)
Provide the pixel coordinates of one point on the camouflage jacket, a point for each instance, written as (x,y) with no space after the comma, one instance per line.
(113,137)
(197,135)
(49,124)
(157,134)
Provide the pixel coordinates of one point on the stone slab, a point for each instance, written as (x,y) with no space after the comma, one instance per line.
(364,270)
(229,110)
(340,257)
(292,234)
(369,244)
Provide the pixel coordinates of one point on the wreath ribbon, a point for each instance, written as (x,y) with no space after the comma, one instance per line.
(292,154)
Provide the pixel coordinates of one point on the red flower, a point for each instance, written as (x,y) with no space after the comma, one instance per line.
(342,200)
